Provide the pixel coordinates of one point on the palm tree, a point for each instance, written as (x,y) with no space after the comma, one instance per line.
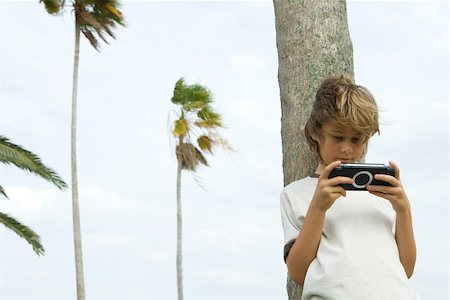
(313,42)
(196,120)
(94,18)
(25,160)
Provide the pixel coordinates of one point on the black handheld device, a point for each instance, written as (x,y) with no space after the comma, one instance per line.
(362,174)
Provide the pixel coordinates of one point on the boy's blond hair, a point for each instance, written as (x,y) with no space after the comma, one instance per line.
(340,101)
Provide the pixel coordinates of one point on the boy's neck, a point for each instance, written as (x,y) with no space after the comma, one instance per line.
(319,169)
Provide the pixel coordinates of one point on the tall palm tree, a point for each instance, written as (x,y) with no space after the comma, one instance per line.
(196,120)
(25,160)
(313,43)
(94,18)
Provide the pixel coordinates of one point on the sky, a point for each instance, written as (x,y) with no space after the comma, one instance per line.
(233,238)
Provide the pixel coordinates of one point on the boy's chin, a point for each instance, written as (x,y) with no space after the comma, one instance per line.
(345,161)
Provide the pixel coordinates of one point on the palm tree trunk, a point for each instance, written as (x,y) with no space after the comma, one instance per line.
(75,205)
(179,235)
(313,43)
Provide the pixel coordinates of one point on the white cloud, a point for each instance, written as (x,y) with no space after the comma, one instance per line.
(256,116)
(248,63)
(247,107)
(235,238)
(32,204)
(28,116)
(233,278)
(96,200)
(111,240)
(127,176)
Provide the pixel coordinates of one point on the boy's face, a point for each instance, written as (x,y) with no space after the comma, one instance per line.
(340,143)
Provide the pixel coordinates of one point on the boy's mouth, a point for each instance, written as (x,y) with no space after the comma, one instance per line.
(345,159)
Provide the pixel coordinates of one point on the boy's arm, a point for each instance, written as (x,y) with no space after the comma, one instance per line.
(304,250)
(404,234)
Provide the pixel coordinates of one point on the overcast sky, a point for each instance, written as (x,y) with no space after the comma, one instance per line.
(233,238)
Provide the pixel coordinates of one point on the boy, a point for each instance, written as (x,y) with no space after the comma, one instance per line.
(360,245)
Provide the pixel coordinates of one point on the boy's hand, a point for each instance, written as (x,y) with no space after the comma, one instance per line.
(394,193)
(328,190)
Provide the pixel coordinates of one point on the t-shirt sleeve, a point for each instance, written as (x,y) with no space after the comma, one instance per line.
(291,227)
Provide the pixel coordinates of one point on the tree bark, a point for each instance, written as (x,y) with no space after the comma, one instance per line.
(75,204)
(179,234)
(313,43)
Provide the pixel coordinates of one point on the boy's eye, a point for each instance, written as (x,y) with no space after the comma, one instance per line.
(356,140)
(339,138)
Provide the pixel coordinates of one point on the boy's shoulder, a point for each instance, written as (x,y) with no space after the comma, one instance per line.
(301,186)
(298,194)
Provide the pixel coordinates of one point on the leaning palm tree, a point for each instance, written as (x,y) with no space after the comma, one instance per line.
(13,154)
(195,120)
(95,19)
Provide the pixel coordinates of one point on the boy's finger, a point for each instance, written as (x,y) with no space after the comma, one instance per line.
(326,172)
(396,169)
(387,178)
(379,189)
(339,190)
(340,180)
(378,194)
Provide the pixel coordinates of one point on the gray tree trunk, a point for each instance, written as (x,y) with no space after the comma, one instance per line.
(313,43)
(179,234)
(75,205)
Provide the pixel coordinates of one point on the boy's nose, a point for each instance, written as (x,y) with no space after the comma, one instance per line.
(346,147)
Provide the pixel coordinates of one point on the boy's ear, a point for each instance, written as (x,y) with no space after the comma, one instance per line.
(315,136)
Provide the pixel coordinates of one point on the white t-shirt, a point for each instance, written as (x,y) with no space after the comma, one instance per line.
(357,256)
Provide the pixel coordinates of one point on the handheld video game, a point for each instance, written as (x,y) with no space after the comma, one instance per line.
(362,174)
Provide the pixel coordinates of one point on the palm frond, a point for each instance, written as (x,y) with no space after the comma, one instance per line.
(53,7)
(13,154)
(197,97)
(88,19)
(97,18)
(179,96)
(2,191)
(204,124)
(200,158)
(194,101)
(109,32)
(91,38)
(198,93)
(110,7)
(193,105)
(181,127)
(221,142)
(191,97)
(100,34)
(24,232)
(209,118)
(89,24)
(205,143)
(190,156)
(94,16)
(199,181)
